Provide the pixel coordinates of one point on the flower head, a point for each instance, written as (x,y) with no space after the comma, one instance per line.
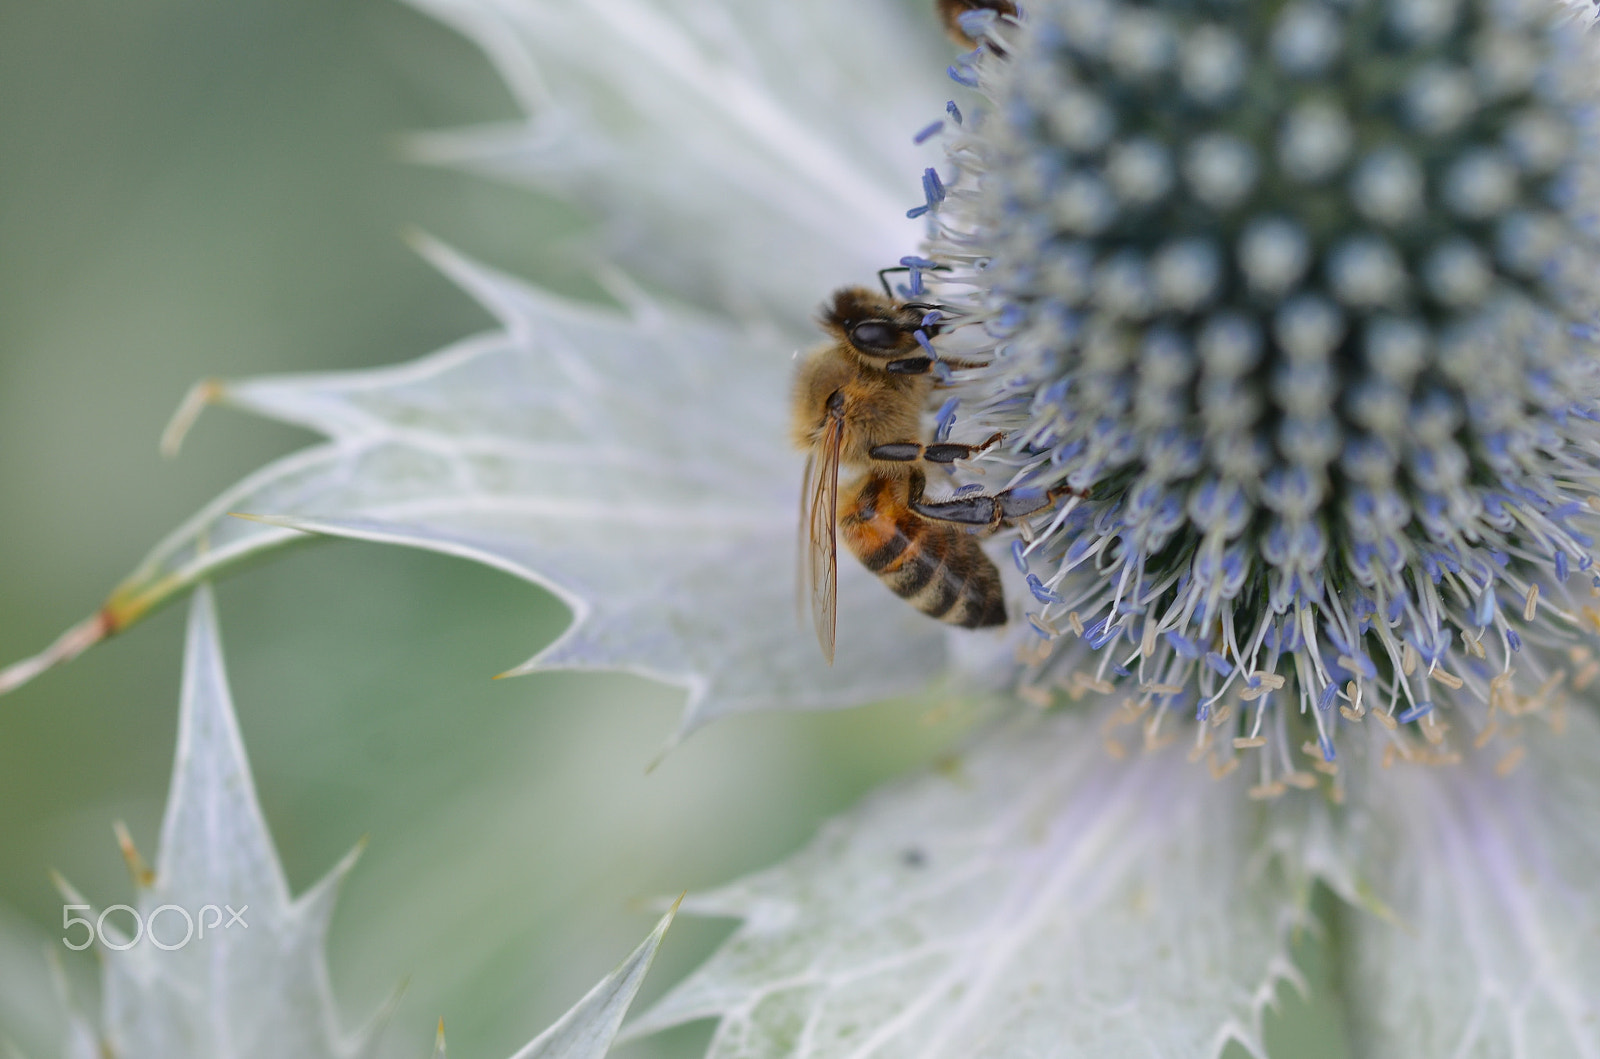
(1303,297)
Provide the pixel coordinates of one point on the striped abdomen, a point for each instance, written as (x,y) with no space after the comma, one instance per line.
(936,566)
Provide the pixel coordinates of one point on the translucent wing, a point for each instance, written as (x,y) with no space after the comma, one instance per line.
(819,516)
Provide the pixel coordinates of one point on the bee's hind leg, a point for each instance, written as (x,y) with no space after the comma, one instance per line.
(985,509)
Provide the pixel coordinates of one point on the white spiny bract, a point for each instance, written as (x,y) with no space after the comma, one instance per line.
(1302,298)
(257,988)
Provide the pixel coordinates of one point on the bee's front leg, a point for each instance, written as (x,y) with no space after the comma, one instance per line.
(924,365)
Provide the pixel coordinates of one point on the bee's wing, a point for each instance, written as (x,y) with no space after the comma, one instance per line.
(819,516)
(802,542)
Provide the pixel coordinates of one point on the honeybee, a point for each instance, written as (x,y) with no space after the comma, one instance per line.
(950,12)
(858,404)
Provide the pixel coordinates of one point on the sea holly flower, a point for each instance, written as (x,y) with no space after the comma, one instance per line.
(1290,306)
(1315,335)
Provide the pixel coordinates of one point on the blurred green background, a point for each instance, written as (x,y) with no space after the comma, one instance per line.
(193,188)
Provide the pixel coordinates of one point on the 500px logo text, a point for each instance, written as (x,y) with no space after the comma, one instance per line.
(176,926)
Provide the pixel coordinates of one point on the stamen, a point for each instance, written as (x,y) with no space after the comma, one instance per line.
(963,75)
(945,422)
(1421,709)
(1508,764)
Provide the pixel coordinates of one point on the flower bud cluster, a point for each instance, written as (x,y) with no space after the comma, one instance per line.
(1303,296)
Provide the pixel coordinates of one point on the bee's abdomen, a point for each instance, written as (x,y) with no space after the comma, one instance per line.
(942,572)
(937,568)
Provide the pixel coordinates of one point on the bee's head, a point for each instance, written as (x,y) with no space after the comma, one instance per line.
(872,325)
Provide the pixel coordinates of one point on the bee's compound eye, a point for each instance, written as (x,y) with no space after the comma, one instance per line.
(870,335)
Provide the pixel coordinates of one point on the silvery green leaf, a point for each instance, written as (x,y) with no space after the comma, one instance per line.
(223,962)
(768,145)
(1033,896)
(1484,935)
(590,1026)
(634,463)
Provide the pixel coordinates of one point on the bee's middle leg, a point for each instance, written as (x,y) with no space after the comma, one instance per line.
(943,452)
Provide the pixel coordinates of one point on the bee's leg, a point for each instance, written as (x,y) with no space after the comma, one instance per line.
(956,364)
(943,452)
(924,365)
(909,366)
(990,510)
